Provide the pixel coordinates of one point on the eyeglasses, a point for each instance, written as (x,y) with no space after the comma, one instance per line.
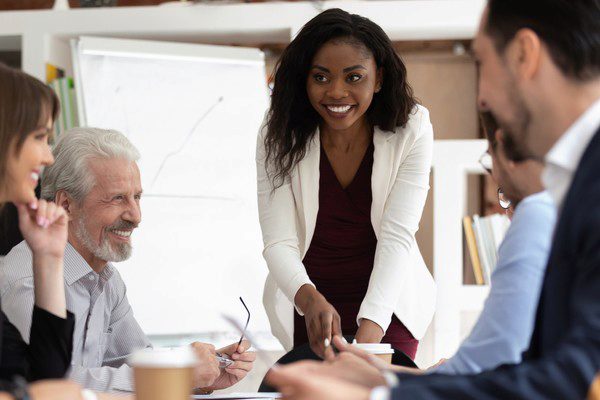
(224,360)
(504,202)
(486,162)
(247,321)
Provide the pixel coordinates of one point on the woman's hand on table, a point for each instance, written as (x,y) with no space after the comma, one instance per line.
(369,332)
(243,362)
(322,319)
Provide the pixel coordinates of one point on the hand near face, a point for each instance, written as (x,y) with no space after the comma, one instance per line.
(306,380)
(243,363)
(44,228)
(207,371)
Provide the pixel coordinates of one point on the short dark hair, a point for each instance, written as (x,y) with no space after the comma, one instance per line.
(569,28)
(292,120)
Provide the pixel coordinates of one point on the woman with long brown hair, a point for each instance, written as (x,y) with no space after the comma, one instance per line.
(28,109)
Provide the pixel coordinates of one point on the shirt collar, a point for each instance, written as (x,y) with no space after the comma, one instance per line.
(76,267)
(564,157)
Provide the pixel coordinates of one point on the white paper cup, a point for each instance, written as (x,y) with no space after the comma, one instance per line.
(163,373)
(381,350)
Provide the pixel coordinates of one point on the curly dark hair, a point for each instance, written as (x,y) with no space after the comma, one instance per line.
(292,121)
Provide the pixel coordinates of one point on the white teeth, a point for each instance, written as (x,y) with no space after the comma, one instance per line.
(122,233)
(35,176)
(339,109)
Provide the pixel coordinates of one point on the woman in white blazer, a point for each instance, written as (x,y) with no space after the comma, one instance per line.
(343,162)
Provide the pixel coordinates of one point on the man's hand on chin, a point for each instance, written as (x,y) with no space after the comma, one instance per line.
(243,362)
(304,381)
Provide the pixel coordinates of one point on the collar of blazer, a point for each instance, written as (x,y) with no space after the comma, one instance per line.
(306,181)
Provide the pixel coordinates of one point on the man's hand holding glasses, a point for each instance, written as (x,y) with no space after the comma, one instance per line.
(232,362)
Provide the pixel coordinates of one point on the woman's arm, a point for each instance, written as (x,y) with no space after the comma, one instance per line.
(44,227)
(399,224)
(277,214)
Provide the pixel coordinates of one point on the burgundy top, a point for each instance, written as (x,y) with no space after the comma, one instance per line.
(340,258)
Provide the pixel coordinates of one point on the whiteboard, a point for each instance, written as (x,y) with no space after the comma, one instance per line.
(193,111)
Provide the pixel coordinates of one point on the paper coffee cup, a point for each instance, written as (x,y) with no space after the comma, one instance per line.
(381,350)
(163,373)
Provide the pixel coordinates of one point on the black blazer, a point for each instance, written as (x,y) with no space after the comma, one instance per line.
(564,353)
(48,355)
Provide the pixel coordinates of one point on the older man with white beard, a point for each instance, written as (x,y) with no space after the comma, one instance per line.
(96,179)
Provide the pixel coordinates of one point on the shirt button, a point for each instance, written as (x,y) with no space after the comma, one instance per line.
(91,277)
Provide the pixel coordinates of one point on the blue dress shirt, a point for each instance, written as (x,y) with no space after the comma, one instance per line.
(504,328)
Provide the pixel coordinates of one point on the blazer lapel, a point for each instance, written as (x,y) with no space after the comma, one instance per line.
(382,175)
(308,186)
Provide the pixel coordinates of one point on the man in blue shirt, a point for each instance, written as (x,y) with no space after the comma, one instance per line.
(504,327)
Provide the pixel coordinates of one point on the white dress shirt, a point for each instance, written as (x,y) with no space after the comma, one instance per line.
(564,157)
(106,331)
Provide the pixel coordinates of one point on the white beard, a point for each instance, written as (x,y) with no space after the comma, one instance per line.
(104,251)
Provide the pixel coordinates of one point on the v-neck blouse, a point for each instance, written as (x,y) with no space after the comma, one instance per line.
(340,258)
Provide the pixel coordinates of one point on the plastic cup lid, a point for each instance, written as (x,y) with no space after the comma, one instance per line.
(375,348)
(177,357)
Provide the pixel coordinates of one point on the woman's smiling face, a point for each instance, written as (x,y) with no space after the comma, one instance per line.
(341,83)
(25,166)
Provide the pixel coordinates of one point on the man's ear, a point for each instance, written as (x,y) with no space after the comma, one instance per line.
(525,54)
(379,82)
(63,199)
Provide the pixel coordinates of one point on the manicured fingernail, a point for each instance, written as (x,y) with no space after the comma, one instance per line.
(40,221)
(344,339)
(46,222)
(327,343)
(33,205)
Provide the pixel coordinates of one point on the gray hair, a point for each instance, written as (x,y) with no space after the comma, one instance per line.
(70,171)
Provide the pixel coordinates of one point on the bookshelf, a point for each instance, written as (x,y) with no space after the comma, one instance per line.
(453,160)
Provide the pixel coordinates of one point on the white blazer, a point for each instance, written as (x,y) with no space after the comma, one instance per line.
(400,282)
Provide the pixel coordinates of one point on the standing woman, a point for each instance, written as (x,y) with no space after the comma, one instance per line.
(28,109)
(343,163)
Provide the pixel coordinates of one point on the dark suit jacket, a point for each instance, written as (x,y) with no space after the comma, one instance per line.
(564,353)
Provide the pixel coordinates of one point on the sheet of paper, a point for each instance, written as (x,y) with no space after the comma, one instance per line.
(239,396)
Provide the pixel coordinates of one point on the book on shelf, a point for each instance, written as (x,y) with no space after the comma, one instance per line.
(65,90)
(53,72)
(483,236)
